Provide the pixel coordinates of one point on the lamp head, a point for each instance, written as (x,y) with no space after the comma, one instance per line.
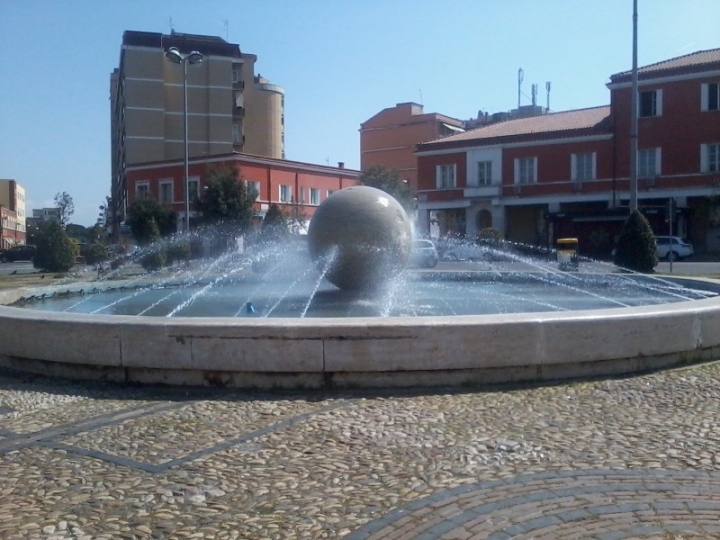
(173,55)
(194,57)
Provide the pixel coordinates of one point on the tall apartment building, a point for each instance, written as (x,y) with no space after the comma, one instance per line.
(229,108)
(12,214)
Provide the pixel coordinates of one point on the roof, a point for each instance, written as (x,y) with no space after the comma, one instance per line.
(693,62)
(595,120)
(248,158)
(184,42)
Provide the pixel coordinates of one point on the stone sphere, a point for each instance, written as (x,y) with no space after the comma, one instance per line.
(359,237)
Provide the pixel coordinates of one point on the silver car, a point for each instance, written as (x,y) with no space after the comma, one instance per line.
(423,254)
(673,248)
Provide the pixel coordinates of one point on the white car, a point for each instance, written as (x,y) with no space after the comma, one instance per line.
(673,248)
(423,254)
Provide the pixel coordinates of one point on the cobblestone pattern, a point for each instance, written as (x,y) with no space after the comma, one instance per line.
(601,504)
(627,458)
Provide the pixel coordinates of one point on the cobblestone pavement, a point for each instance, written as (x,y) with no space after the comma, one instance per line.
(609,459)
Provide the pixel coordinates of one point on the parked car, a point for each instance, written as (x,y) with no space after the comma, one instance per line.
(673,248)
(423,254)
(18,253)
(467,252)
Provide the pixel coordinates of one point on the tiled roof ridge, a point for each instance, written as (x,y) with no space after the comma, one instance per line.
(682,56)
(551,113)
(649,67)
(573,120)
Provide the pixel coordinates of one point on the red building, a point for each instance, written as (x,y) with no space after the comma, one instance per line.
(12,214)
(292,185)
(389,138)
(568,173)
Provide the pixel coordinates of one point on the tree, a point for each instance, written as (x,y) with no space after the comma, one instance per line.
(56,251)
(149,220)
(388,180)
(636,248)
(295,217)
(78,232)
(226,202)
(274,227)
(64,203)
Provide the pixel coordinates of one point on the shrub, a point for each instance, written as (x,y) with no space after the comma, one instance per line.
(178,250)
(490,236)
(97,253)
(153,259)
(56,251)
(636,248)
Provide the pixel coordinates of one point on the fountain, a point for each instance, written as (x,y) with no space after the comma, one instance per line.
(327,318)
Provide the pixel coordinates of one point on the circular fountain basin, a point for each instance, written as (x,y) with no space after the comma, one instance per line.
(435,330)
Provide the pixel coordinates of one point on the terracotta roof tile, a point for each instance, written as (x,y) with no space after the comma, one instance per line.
(562,124)
(692,60)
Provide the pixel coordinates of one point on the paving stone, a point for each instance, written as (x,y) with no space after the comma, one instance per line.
(638,456)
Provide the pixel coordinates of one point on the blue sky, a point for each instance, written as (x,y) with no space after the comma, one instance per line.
(339,61)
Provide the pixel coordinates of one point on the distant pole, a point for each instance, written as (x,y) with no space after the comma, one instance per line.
(634,119)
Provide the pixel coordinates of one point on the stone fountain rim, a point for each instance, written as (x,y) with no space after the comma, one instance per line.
(368,351)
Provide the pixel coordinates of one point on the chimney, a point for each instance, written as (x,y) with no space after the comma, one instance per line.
(341,164)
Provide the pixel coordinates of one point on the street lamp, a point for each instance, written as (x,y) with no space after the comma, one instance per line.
(176,57)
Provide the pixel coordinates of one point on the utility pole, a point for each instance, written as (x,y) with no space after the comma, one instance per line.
(634,119)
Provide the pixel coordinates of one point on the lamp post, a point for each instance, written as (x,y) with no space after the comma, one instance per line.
(176,57)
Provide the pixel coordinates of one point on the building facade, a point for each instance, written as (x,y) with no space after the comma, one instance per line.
(297,188)
(229,108)
(389,138)
(568,173)
(12,214)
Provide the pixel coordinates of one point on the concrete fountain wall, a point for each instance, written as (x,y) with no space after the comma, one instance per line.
(348,352)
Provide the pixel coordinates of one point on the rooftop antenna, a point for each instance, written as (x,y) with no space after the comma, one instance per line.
(421,101)
(226,23)
(533,93)
(547,90)
(172,29)
(521,74)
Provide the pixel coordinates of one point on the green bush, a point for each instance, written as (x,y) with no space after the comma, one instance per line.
(178,250)
(490,236)
(153,259)
(636,247)
(97,253)
(56,251)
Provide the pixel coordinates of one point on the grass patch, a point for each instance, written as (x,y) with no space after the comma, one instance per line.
(34,280)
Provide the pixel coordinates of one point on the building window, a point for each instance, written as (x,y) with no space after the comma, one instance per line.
(235,76)
(253,187)
(583,166)
(142,189)
(650,103)
(526,170)
(314,196)
(710,97)
(285,193)
(236,136)
(445,176)
(193,189)
(484,177)
(329,192)
(648,163)
(166,191)
(710,157)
